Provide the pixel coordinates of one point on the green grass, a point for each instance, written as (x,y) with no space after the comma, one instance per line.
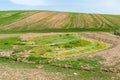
(46,30)
(10,19)
(59,39)
(96,47)
(13,16)
(83,75)
(64,46)
(6,43)
(12,63)
(82,63)
(11,42)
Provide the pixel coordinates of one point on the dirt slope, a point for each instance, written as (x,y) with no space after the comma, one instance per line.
(13,73)
(56,20)
(111,55)
(29,20)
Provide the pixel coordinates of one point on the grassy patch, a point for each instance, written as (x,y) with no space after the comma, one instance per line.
(11,16)
(72,74)
(57,46)
(46,30)
(50,49)
(6,43)
(82,75)
(67,45)
(12,63)
(88,64)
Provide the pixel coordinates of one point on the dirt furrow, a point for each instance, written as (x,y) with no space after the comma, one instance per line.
(29,20)
(105,21)
(98,22)
(80,21)
(88,20)
(57,21)
(14,73)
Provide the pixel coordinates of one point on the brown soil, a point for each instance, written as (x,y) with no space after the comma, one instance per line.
(112,55)
(34,35)
(29,20)
(13,73)
(8,35)
(56,21)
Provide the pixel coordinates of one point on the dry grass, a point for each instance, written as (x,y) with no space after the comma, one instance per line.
(105,21)
(29,20)
(57,20)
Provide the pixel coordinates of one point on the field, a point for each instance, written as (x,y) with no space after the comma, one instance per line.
(64,56)
(49,45)
(50,21)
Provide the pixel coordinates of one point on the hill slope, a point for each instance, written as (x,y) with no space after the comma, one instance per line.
(56,21)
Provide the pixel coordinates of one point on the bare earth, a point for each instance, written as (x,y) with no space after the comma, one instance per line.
(34,35)
(112,55)
(29,20)
(12,73)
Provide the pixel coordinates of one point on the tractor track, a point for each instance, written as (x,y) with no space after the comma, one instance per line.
(111,54)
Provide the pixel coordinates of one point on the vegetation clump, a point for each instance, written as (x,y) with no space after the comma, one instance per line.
(53,50)
(117,32)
